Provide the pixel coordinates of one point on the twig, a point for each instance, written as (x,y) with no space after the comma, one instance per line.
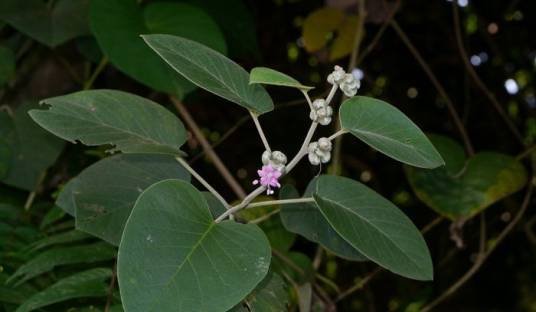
(476,79)
(260,131)
(526,152)
(100,67)
(220,166)
(303,149)
(281,202)
(31,197)
(111,288)
(265,217)
(199,178)
(336,134)
(450,105)
(480,260)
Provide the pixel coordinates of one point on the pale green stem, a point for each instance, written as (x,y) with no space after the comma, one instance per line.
(100,67)
(308,99)
(331,93)
(261,133)
(186,166)
(281,202)
(336,134)
(265,217)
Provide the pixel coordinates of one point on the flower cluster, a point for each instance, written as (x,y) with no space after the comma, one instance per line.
(319,152)
(269,177)
(346,82)
(321,112)
(276,159)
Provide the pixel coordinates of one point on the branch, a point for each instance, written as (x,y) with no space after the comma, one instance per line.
(199,178)
(476,79)
(220,166)
(281,202)
(480,260)
(450,105)
(261,133)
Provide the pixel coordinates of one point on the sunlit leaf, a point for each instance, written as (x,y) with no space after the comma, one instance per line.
(319,25)
(345,41)
(465,187)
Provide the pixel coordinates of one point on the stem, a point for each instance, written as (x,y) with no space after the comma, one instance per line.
(261,133)
(336,134)
(281,202)
(198,134)
(251,196)
(331,93)
(450,105)
(199,178)
(476,79)
(303,149)
(100,67)
(265,217)
(306,95)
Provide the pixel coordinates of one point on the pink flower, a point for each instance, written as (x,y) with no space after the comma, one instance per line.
(268,177)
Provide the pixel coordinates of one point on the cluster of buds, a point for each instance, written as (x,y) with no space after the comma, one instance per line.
(346,82)
(321,112)
(319,152)
(276,159)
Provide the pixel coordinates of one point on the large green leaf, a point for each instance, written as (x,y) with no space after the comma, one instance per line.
(238,25)
(105,192)
(270,76)
(306,220)
(271,295)
(91,283)
(100,117)
(7,64)
(174,257)
(72,236)
(51,26)
(463,188)
(374,226)
(118,24)
(388,130)
(33,150)
(211,71)
(52,258)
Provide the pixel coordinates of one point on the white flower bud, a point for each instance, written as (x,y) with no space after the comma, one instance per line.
(324,144)
(321,112)
(319,152)
(276,159)
(336,76)
(349,85)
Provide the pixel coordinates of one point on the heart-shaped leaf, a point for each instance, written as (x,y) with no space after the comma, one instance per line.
(118,24)
(67,19)
(174,257)
(27,166)
(100,117)
(103,195)
(270,76)
(465,187)
(307,220)
(211,71)
(374,226)
(388,130)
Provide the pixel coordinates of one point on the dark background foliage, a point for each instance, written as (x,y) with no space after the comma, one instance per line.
(499,34)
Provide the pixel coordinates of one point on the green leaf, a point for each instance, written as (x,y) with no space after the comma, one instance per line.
(6,149)
(465,187)
(374,226)
(105,192)
(388,130)
(174,257)
(53,215)
(7,64)
(296,265)
(271,295)
(211,71)
(279,237)
(99,117)
(216,207)
(52,258)
(270,76)
(27,166)
(51,26)
(118,24)
(306,220)
(14,295)
(72,236)
(90,283)
(237,23)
